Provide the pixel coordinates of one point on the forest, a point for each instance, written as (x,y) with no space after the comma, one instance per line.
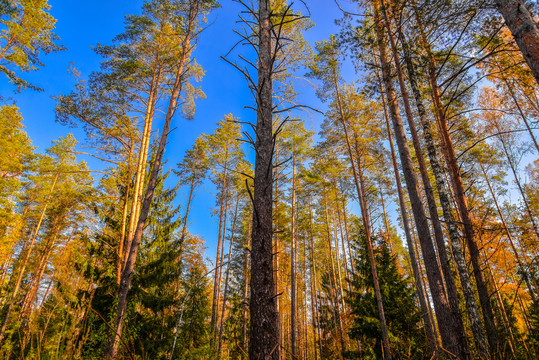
(391,214)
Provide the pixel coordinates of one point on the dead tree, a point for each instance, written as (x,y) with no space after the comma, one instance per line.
(264,30)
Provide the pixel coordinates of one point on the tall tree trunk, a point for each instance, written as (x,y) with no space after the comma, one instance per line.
(429,329)
(450,339)
(142,161)
(460,195)
(246,293)
(445,201)
(120,259)
(525,30)
(233,230)
(223,209)
(333,280)
(365,217)
(22,269)
(264,339)
(293,260)
(451,289)
(314,293)
(127,272)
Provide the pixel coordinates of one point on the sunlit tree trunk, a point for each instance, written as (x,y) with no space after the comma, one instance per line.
(127,272)
(264,337)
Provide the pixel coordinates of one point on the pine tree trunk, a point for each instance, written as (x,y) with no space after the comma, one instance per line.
(525,30)
(120,259)
(443,194)
(429,329)
(264,339)
(127,272)
(223,209)
(314,292)
(450,339)
(142,162)
(451,289)
(246,293)
(333,280)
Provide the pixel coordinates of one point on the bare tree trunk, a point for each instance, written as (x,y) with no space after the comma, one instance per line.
(450,339)
(525,30)
(127,272)
(22,269)
(264,341)
(429,329)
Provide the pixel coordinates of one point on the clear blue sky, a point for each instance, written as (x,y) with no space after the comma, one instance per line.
(83,24)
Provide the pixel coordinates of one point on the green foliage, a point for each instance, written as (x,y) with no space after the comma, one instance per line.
(28,31)
(16,153)
(402,314)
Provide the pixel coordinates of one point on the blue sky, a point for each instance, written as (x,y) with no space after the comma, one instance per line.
(83,24)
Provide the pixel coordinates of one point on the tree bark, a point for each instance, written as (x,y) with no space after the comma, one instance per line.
(525,30)
(264,339)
